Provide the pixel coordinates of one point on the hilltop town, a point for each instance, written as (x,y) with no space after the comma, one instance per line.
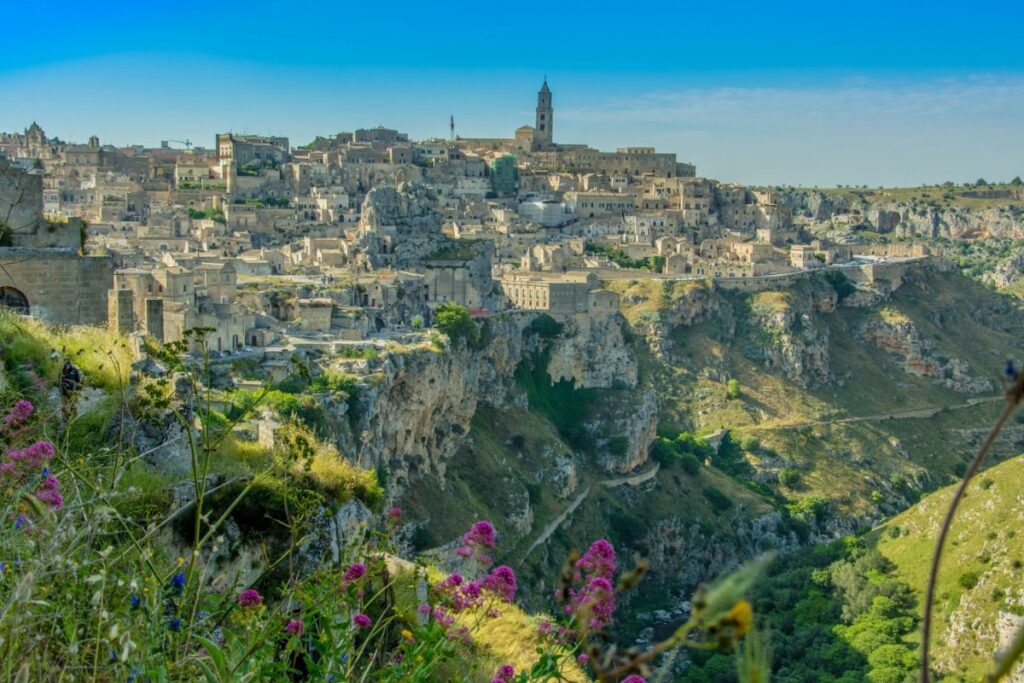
(360,236)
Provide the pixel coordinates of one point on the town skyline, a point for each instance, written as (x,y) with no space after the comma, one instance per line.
(752,97)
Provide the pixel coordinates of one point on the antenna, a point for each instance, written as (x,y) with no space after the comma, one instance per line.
(451,125)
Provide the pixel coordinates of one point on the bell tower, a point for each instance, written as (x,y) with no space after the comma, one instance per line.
(545,117)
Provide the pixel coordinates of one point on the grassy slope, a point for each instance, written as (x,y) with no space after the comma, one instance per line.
(987,539)
(923,195)
(844,462)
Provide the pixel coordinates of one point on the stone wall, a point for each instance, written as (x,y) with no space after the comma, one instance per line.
(60,285)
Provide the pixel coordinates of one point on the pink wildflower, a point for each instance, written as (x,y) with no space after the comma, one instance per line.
(545,628)
(633,678)
(296,627)
(582,658)
(505,673)
(502,582)
(362,621)
(480,534)
(49,491)
(355,572)
(443,616)
(250,598)
(394,514)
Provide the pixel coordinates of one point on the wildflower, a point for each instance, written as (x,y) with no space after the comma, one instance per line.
(178,582)
(633,678)
(394,514)
(174,624)
(502,582)
(424,608)
(505,672)
(135,601)
(599,560)
(49,491)
(355,572)
(362,621)
(250,598)
(480,535)
(296,627)
(596,601)
(740,616)
(545,628)
(443,617)
(1010,372)
(582,658)
(407,634)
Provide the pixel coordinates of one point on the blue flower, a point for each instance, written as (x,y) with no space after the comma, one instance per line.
(174,625)
(1010,371)
(178,582)
(135,673)
(135,601)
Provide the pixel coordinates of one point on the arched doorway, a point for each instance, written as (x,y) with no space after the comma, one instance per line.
(13,299)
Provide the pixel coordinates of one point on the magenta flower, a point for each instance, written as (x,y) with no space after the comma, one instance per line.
(424,608)
(49,491)
(17,415)
(295,627)
(633,678)
(394,514)
(362,621)
(502,582)
(599,560)
(582,658)
(545,628)
(250,598)
(354,572)
(481,534)
(443,616)
(505,673)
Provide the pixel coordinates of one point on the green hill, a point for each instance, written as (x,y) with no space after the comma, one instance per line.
(982,568)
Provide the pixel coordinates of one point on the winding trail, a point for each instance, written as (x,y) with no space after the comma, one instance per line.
(556,523)
(916,413)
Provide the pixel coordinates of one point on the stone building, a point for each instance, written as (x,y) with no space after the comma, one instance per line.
(42,272)
(557,293)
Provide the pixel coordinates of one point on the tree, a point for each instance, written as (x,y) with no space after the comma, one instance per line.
(454,321)
(1017,182)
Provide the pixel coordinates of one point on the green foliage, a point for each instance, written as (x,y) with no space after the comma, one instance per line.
(968,580)
(750,444)
(561,402)
(685,448)
(454,320)
(844,288)
(733,390)
(789,477)
(544,326)
(618,445)
(621,259)
(719,501)
(809,509)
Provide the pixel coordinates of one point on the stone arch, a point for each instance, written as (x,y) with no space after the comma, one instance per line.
(14,299)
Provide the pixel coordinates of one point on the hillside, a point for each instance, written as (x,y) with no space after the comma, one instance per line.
(980,585)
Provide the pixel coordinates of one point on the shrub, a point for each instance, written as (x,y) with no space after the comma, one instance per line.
(751,444)
(733,389)
(454,321)
(719,501)
(691,465)
(968,580)
(544,326)
(789,477)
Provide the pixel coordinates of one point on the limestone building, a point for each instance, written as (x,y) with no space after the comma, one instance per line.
(42,272)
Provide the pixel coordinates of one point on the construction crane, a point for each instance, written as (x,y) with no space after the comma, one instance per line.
(187,143)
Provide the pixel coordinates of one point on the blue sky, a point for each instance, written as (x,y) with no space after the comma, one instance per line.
(802,93)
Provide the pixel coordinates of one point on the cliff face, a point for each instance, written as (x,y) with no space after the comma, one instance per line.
(903,219)
(788,338)
(416,408)
(900,336)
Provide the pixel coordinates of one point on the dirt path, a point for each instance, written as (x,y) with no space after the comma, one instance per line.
(556,522)
(553,525)
(917,413)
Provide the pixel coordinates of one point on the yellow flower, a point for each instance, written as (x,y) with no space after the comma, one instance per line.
(419,659)
(406,633)
(741,614)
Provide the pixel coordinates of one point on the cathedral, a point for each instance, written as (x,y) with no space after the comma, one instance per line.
(540,136)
